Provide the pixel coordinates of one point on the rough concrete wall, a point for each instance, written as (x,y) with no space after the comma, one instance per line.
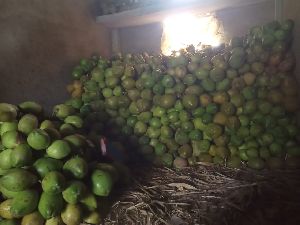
(40,42)
(141,38)
(236,21)
(291,9)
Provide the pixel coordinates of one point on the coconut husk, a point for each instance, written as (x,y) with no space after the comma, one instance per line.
(208,195)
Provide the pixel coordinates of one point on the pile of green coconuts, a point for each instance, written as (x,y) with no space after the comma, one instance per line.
(50,172)
(235,105)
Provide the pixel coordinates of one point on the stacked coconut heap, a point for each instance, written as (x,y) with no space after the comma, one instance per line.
(233,105)
(49,172)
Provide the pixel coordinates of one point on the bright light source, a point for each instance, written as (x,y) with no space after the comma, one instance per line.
(183,30)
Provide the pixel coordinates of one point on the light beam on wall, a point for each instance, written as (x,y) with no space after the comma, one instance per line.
(180,31)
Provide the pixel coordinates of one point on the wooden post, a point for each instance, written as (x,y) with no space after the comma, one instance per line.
(116,42)
(279,10)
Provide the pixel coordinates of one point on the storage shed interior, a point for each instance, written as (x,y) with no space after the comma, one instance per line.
(206,136)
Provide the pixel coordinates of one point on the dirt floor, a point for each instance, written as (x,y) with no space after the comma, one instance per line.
(208,195)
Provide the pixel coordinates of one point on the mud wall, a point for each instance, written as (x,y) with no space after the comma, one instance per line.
(40,42)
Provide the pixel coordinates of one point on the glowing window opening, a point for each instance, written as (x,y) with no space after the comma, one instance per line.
(180,31)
